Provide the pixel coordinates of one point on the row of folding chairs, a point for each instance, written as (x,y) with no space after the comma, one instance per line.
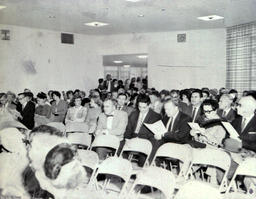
(157,177)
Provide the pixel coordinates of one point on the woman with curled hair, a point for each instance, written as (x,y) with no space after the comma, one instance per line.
(55,163)
(212,131)
(76,113)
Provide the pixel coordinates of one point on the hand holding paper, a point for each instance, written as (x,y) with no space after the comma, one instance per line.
(232,132)
(157,128)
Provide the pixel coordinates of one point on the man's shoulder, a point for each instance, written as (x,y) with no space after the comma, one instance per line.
(184,116)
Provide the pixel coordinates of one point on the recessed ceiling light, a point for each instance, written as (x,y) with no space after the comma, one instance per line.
(52,16)
(2,7)
(134,1)
(118,61)
(210,18)
(141,15)
(142,56)
(163,9)
(127,66)
(96,24)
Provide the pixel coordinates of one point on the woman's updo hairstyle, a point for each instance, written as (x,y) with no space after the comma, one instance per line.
(56,158)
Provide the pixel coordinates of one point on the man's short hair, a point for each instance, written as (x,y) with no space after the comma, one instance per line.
(57,93)
(143,98)
(197,91)
(45,129)
(169,100)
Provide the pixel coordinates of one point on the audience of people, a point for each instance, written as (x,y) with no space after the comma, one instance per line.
(121,110)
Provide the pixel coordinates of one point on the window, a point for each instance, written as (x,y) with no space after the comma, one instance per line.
(241,57)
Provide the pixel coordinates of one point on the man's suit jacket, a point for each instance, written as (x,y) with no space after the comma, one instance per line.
(199,116)
(62,108)
(144,132)
(27,114)
(127,109)
(111,85)
(230,116)
(180,132)
(119,123)
(248,135)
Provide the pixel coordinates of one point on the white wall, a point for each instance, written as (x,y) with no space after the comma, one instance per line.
(201,60)
(62,67)
(58,66)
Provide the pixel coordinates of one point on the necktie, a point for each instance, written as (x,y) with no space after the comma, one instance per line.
(193,114)
(169,124)
(139,124)
(224,114)
(243,124)
(109,115)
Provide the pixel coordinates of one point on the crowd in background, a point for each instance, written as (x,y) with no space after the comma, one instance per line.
(120,108)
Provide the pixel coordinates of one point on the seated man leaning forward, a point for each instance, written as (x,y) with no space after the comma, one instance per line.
(111,122)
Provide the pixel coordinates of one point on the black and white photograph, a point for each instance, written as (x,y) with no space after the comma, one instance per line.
(127,99)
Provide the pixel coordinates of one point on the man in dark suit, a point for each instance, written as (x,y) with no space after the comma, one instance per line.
(108,83)
(176,124)
(135,127)
(27,111)
(194,109)
(245,123)
(225,110)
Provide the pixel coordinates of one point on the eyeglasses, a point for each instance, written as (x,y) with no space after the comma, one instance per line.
(208,111)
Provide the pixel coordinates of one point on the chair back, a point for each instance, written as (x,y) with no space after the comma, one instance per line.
(108,141)
(245,168)
(58,125)
(211,157)
(180,152)
(198,190)
(117,167)
(77,127)
(88,158)
(156,177)
(83,139)
(138,145)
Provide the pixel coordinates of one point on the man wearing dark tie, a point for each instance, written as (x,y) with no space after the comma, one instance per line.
(176,124)
(194,109)
(135,127)
(27,112)
(225,110)
(245,123)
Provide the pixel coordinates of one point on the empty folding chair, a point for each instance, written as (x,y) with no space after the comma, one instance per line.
(117,171)
(180,152)
(154,177)
(106,141)
(89,159)
(212,159)
(82,140)
(246,168)
(135,146)
(198,190)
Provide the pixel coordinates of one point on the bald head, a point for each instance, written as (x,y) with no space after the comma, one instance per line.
(225,101)
(246,106)
(170,108)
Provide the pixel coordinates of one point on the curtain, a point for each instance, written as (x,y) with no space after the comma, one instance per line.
(241,57)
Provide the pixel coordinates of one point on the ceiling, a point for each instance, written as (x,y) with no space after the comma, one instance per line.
(128,59)
(159,15)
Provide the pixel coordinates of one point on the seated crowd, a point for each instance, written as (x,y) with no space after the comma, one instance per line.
(121,110)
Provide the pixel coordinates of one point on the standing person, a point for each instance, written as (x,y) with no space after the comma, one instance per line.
(27,111)
(59,108)
(108,83)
